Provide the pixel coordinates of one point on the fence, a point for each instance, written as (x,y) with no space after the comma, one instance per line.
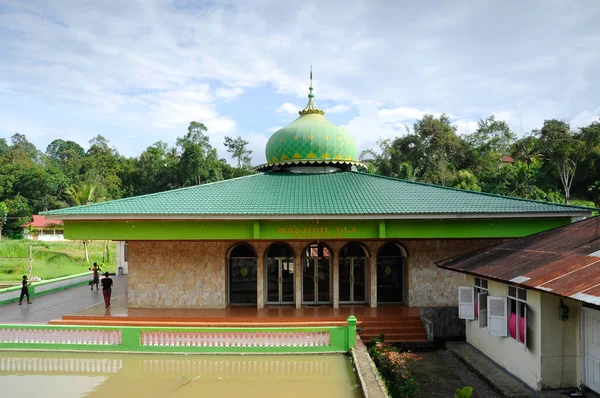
(179,340)
(11,294)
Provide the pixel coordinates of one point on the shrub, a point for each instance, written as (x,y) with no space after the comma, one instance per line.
(395,368)
(465,392)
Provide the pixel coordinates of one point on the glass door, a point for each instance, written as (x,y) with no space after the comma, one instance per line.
(352,280)
(280,280)
(390,287)
(316,281)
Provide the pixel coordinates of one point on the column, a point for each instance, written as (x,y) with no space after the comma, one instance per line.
(373,281)
(336,280)
(260,285)
(298,278)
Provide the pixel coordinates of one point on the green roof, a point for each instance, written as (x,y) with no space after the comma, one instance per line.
(310,139)
(343,193)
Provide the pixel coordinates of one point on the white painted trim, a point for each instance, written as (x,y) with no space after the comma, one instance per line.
(287,217)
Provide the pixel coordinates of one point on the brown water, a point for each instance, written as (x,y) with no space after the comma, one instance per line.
(70,375)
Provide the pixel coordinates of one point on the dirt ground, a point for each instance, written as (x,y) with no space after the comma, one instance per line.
(439,374)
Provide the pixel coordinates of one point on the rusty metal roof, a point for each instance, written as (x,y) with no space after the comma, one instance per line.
(563,261)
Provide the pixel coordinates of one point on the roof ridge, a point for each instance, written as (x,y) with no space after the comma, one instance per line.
(474,192)
(49,212)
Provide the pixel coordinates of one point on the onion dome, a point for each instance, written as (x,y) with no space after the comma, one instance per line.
(311,140)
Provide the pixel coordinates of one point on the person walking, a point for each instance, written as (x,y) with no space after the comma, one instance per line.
(24,290)
(96,279)
(106,288)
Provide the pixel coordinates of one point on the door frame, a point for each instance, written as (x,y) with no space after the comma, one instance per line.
(584,309)
(366,268)
(316,301)
(279,282)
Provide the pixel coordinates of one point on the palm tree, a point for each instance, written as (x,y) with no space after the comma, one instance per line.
(80,195)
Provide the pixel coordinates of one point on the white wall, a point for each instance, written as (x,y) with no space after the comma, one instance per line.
(120,257)
(561,344)
(523,363)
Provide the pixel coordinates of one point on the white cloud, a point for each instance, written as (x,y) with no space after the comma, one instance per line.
(339,108)
(288,108)
(229,93)
(146,64)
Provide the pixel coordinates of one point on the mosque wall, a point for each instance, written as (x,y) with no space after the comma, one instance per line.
(430,286)
(177,274)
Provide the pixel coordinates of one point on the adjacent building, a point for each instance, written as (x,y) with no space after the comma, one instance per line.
(533,305)
(42,228)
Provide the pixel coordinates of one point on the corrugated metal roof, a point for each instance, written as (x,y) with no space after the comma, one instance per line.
(562,261)
(340,193)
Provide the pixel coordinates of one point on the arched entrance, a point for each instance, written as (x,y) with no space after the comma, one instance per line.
(391,258)
(316,274)
(353,275)
(279,274)
(242,275)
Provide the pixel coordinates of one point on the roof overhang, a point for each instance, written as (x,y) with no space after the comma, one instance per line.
(426,216)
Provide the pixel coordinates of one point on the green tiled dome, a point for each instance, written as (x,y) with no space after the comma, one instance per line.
(310,139)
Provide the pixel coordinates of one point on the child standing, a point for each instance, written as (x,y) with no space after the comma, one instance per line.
(24,290)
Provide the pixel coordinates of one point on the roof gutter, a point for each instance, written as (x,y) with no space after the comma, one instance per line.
(423,216)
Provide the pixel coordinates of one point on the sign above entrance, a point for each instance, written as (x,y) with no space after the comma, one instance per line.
(318,230)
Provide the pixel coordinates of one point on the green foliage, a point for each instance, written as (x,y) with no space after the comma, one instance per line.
(50,259)
(465,392)
(67,175)
(396,368)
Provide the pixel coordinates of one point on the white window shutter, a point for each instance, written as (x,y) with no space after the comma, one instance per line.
(466,302)
(483,312)
(497,319)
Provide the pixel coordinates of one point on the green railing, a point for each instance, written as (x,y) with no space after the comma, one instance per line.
(324,339)
(11,294)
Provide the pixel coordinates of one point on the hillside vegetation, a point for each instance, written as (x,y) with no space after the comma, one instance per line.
(51,259)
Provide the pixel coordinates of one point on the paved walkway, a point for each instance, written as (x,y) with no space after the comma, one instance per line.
(55,305)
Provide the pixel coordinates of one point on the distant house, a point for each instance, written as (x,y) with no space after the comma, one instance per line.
(506,159)
(533,305)
(43,229)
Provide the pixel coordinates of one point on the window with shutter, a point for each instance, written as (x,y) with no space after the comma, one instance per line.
(466,302)
(483,314)
(497,321)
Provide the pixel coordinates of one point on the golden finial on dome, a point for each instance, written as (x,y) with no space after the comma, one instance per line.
(311,108)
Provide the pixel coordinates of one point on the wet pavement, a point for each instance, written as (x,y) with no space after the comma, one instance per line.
(53,306)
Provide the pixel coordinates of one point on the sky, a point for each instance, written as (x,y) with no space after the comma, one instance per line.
(138,71)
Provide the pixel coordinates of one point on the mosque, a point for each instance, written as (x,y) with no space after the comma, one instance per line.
(310,229)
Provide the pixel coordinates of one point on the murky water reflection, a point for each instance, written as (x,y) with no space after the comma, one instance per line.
(70,375)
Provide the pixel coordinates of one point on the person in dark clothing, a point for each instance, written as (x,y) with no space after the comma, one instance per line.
(96,279)
(24,290)
(106,288)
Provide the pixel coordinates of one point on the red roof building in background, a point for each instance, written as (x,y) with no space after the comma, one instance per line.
(43,229)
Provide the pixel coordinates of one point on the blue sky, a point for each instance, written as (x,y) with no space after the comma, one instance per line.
(139,71)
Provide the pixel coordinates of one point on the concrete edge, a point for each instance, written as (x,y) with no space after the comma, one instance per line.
(360,367)
(484,377)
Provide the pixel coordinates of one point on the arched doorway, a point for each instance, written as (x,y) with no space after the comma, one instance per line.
(390,273)
(242,275)
(316,274)
(353,275)
(279,274)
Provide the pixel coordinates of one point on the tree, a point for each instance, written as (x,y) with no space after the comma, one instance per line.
(564,149)
(4,148)
(467,180)
(491,136)
(237,148)
(198,163)
(3,216)
(82,194)
(594,189)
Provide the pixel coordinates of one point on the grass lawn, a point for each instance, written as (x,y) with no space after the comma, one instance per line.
(51,259)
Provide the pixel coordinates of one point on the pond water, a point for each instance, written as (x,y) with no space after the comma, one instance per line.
(74,375)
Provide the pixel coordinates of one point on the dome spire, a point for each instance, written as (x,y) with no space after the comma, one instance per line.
(311,108)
